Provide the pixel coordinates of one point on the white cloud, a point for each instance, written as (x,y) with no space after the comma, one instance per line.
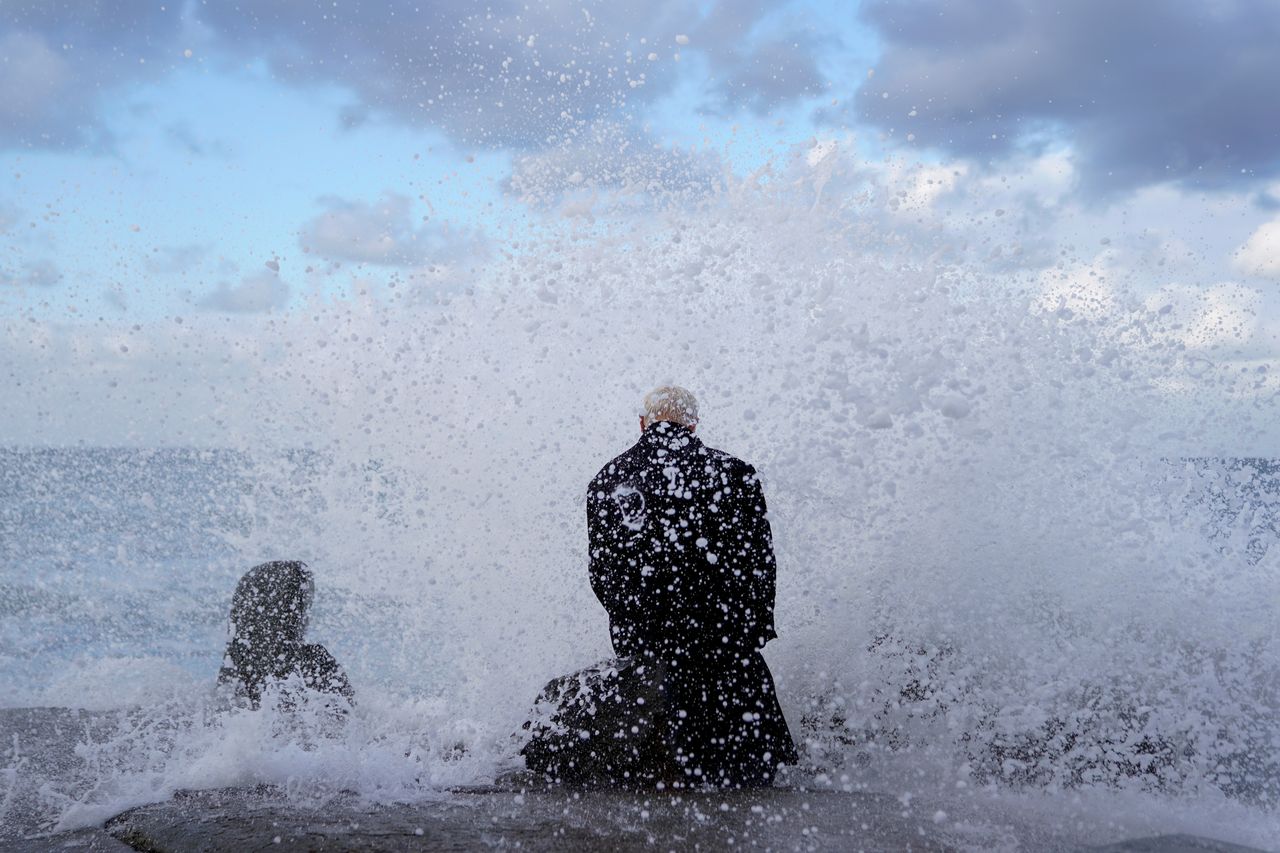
(175,259)
(1260,255)
(918,188)
(8,217)
(384,233)
(42,273)
(1224,315)
(1083,289)
(254,294)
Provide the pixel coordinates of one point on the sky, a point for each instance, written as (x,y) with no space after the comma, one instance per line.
(177,159)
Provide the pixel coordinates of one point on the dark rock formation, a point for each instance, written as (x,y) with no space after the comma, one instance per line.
(1098,732)
(532,818)
(602,724)
(1173,844)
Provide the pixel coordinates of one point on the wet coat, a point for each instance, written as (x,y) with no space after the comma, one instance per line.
(681,557)
(269,614)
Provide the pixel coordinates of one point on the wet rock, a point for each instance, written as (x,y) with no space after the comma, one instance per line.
(601,724)
(38,745)
(1095,732)
(93,840)
(533,818)
(1174,844)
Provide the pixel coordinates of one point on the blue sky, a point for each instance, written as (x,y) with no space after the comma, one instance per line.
(240,160)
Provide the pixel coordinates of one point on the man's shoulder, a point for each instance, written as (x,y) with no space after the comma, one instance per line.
(625,465)
(732,465)
(615,469)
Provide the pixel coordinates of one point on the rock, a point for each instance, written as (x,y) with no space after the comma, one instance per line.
(535,818)
(38,746)
(601,724)
(1174,844)
(81,841)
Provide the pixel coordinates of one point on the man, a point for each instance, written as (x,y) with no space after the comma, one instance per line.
(682,560)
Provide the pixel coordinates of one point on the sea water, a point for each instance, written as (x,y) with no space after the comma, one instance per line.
(1022,560)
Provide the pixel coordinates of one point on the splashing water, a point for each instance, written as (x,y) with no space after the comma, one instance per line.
(1004,562)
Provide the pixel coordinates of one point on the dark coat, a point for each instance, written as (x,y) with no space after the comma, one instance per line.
(269,614)
(682,560)
(680,545)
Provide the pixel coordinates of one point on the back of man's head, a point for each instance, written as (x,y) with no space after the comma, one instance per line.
(670,403)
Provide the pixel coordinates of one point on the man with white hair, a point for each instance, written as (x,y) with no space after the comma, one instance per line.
(682,560)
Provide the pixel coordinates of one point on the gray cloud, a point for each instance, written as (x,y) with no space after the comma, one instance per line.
(760,63)
(57,59)
(34,81)
(254,294)
(506,74)
(1147,91)
(512,74)
(771,74)
(384,233)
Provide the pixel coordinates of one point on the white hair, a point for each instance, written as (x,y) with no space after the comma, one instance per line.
(670,403)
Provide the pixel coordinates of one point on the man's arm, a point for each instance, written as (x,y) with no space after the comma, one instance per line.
(604,579)
(616,577)
(758,565)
